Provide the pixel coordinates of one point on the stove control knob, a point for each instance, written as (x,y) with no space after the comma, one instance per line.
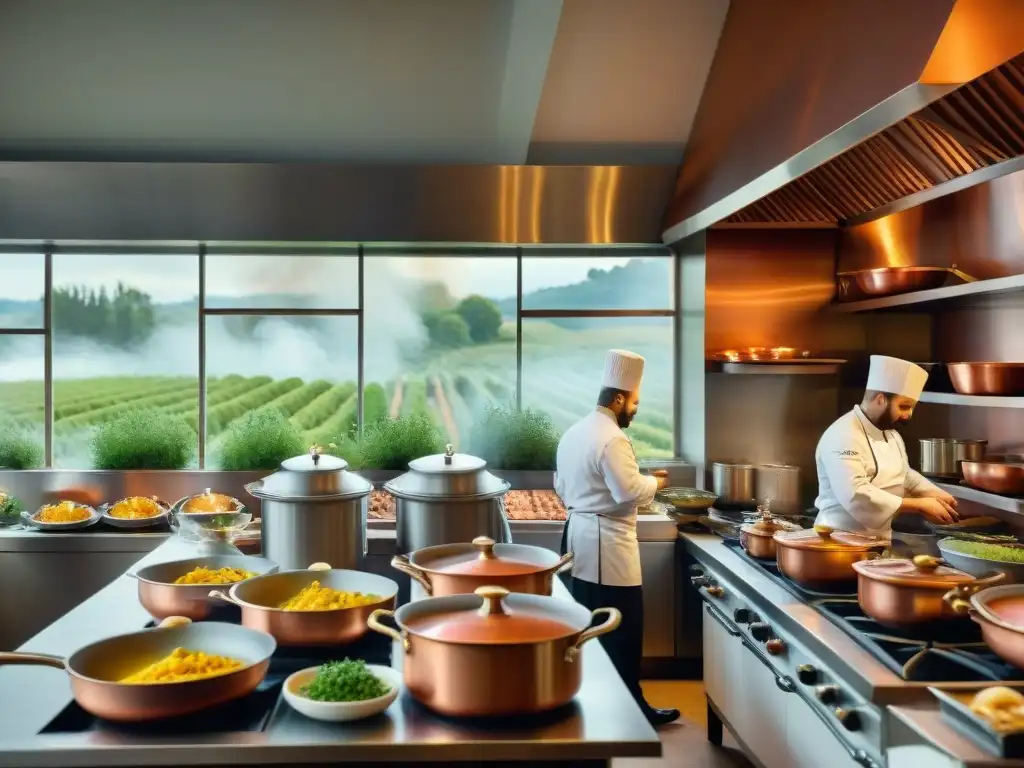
(696,570)
(741,615)
(848,718)
(827,694)
(716,591)
(700,581)
(761,632)
(807,674)
(775,646)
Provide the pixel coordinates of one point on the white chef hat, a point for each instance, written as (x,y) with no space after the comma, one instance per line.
(623,370)
(896,377)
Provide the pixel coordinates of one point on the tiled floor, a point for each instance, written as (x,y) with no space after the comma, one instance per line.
(685,744)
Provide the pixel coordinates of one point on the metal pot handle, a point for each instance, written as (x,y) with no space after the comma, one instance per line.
(564,563)
(958,599)
(373,622)
(31,659)
(217,594)
(611,623)
(503,519)
(401,563)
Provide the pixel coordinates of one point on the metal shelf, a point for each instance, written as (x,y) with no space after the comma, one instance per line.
(986,499)
(947,293)
(977,401)
(781,368)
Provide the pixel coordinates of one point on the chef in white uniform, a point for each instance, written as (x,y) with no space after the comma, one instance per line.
(864,478)
(601,486)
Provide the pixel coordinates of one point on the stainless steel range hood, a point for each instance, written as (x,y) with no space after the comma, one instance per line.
(858,108)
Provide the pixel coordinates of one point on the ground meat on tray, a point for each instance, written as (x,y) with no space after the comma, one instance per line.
(534,505)
(382,505)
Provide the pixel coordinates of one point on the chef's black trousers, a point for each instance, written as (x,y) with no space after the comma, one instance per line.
(625,645)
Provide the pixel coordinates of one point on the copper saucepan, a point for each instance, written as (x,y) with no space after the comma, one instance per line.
(891,281)
(819,558)
(96,670)
(259,599)
(1003,475)
(987,378)
(458,569)
(988,608)
(493,653)
(904,593)
(758,537)
(162,597)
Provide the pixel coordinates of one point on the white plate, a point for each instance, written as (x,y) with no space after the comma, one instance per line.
(29,519)
(127,522)
(341,711)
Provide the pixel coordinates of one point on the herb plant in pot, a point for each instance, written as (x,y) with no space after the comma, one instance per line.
(518,445)
(260,440)
(18,450)
(143,439)
(388,445)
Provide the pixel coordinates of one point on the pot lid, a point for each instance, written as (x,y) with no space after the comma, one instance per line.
(821,537)
(312,476)
(922,571)
(494,621)
(447,476)
(484,561)
(766,524)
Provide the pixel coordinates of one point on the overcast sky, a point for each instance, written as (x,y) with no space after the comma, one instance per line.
(175,278)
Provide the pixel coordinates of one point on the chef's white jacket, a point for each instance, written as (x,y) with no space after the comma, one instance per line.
(600,485)
(863,475)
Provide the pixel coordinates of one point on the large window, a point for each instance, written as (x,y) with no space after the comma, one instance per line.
(440,335)
(214,333)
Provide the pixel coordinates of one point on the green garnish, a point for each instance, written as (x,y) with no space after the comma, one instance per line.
(344,681)
(994,552)
(10,509)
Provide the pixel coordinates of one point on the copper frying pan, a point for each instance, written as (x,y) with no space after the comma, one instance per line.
(96,669)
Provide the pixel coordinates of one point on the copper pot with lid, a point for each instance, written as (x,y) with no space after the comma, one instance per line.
(899,593)
(758,537)
(997,612)
(820,558)
(493,653)
(457,569)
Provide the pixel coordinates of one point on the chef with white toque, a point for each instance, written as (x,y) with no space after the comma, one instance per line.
(600,484)
(864,478)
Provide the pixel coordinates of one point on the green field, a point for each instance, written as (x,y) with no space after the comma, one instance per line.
(561,371)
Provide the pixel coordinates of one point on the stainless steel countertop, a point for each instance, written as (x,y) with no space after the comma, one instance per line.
(604,723)
(925,720)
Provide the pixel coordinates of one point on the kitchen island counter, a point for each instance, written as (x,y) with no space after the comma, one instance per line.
(603,722)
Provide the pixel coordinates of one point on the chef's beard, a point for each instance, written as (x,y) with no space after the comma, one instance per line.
(624,419)
(887,421)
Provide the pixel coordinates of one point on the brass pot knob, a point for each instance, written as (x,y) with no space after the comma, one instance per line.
(927,563)
(492,597)
(824,531)
(486,546)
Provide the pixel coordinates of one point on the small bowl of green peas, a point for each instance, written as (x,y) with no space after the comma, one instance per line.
(342,691)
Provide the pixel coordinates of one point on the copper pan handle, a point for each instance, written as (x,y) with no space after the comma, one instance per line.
(373,622)
(962,275)
(217,594)
(404,565)
(988,581)
(564,562)
(31,659)
(957,599)
(611,623)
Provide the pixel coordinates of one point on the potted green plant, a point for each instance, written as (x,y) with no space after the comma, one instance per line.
(260,440)
(143,439)
(386,446)
(18,450)
(10,510)
(518,445)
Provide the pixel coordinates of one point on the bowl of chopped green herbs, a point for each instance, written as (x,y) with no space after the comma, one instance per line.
(980,558)
(342,691)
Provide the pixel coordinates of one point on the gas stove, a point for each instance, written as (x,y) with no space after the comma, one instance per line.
(249,714)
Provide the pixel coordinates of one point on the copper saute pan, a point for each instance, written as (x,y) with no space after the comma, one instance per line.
(162,597)
(96,669)
(987,378)
(1003,475)
(259,599)
(901,593)
(458,569)
(823,559)
(1006,640)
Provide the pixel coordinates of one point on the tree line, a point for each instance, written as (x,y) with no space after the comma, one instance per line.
(124,318)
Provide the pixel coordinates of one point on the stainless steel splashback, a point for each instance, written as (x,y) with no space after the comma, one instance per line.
(333,203)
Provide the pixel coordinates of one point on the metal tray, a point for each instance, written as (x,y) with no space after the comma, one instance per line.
(1008,745)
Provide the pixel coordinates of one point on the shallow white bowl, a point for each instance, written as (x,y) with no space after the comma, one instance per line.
(341,711)
(29,519)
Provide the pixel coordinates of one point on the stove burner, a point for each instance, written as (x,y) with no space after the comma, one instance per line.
(944,652)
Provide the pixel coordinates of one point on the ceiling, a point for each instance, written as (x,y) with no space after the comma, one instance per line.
(502,82)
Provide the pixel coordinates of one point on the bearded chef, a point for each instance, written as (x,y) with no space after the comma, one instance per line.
(864,479)
(601,487)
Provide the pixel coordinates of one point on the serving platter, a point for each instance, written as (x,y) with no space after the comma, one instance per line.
(29,518)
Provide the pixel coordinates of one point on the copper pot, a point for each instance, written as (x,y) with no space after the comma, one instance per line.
(162,597)
(987,378)
(891,281)
(758,537)
(903,593)
(259,599)
(1004,638)
(996,474)
(96,669)
(458,569)
(458,648)
(819,558)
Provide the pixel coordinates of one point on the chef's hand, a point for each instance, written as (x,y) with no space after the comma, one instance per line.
(942,496)
(937,509)
(662,477)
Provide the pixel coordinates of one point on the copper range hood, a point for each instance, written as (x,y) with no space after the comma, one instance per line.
(858,107)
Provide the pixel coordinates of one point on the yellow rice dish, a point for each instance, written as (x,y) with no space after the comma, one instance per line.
(135,508)
(317,598)
(204,575)
(209,503)
(65,512)
(183,665)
